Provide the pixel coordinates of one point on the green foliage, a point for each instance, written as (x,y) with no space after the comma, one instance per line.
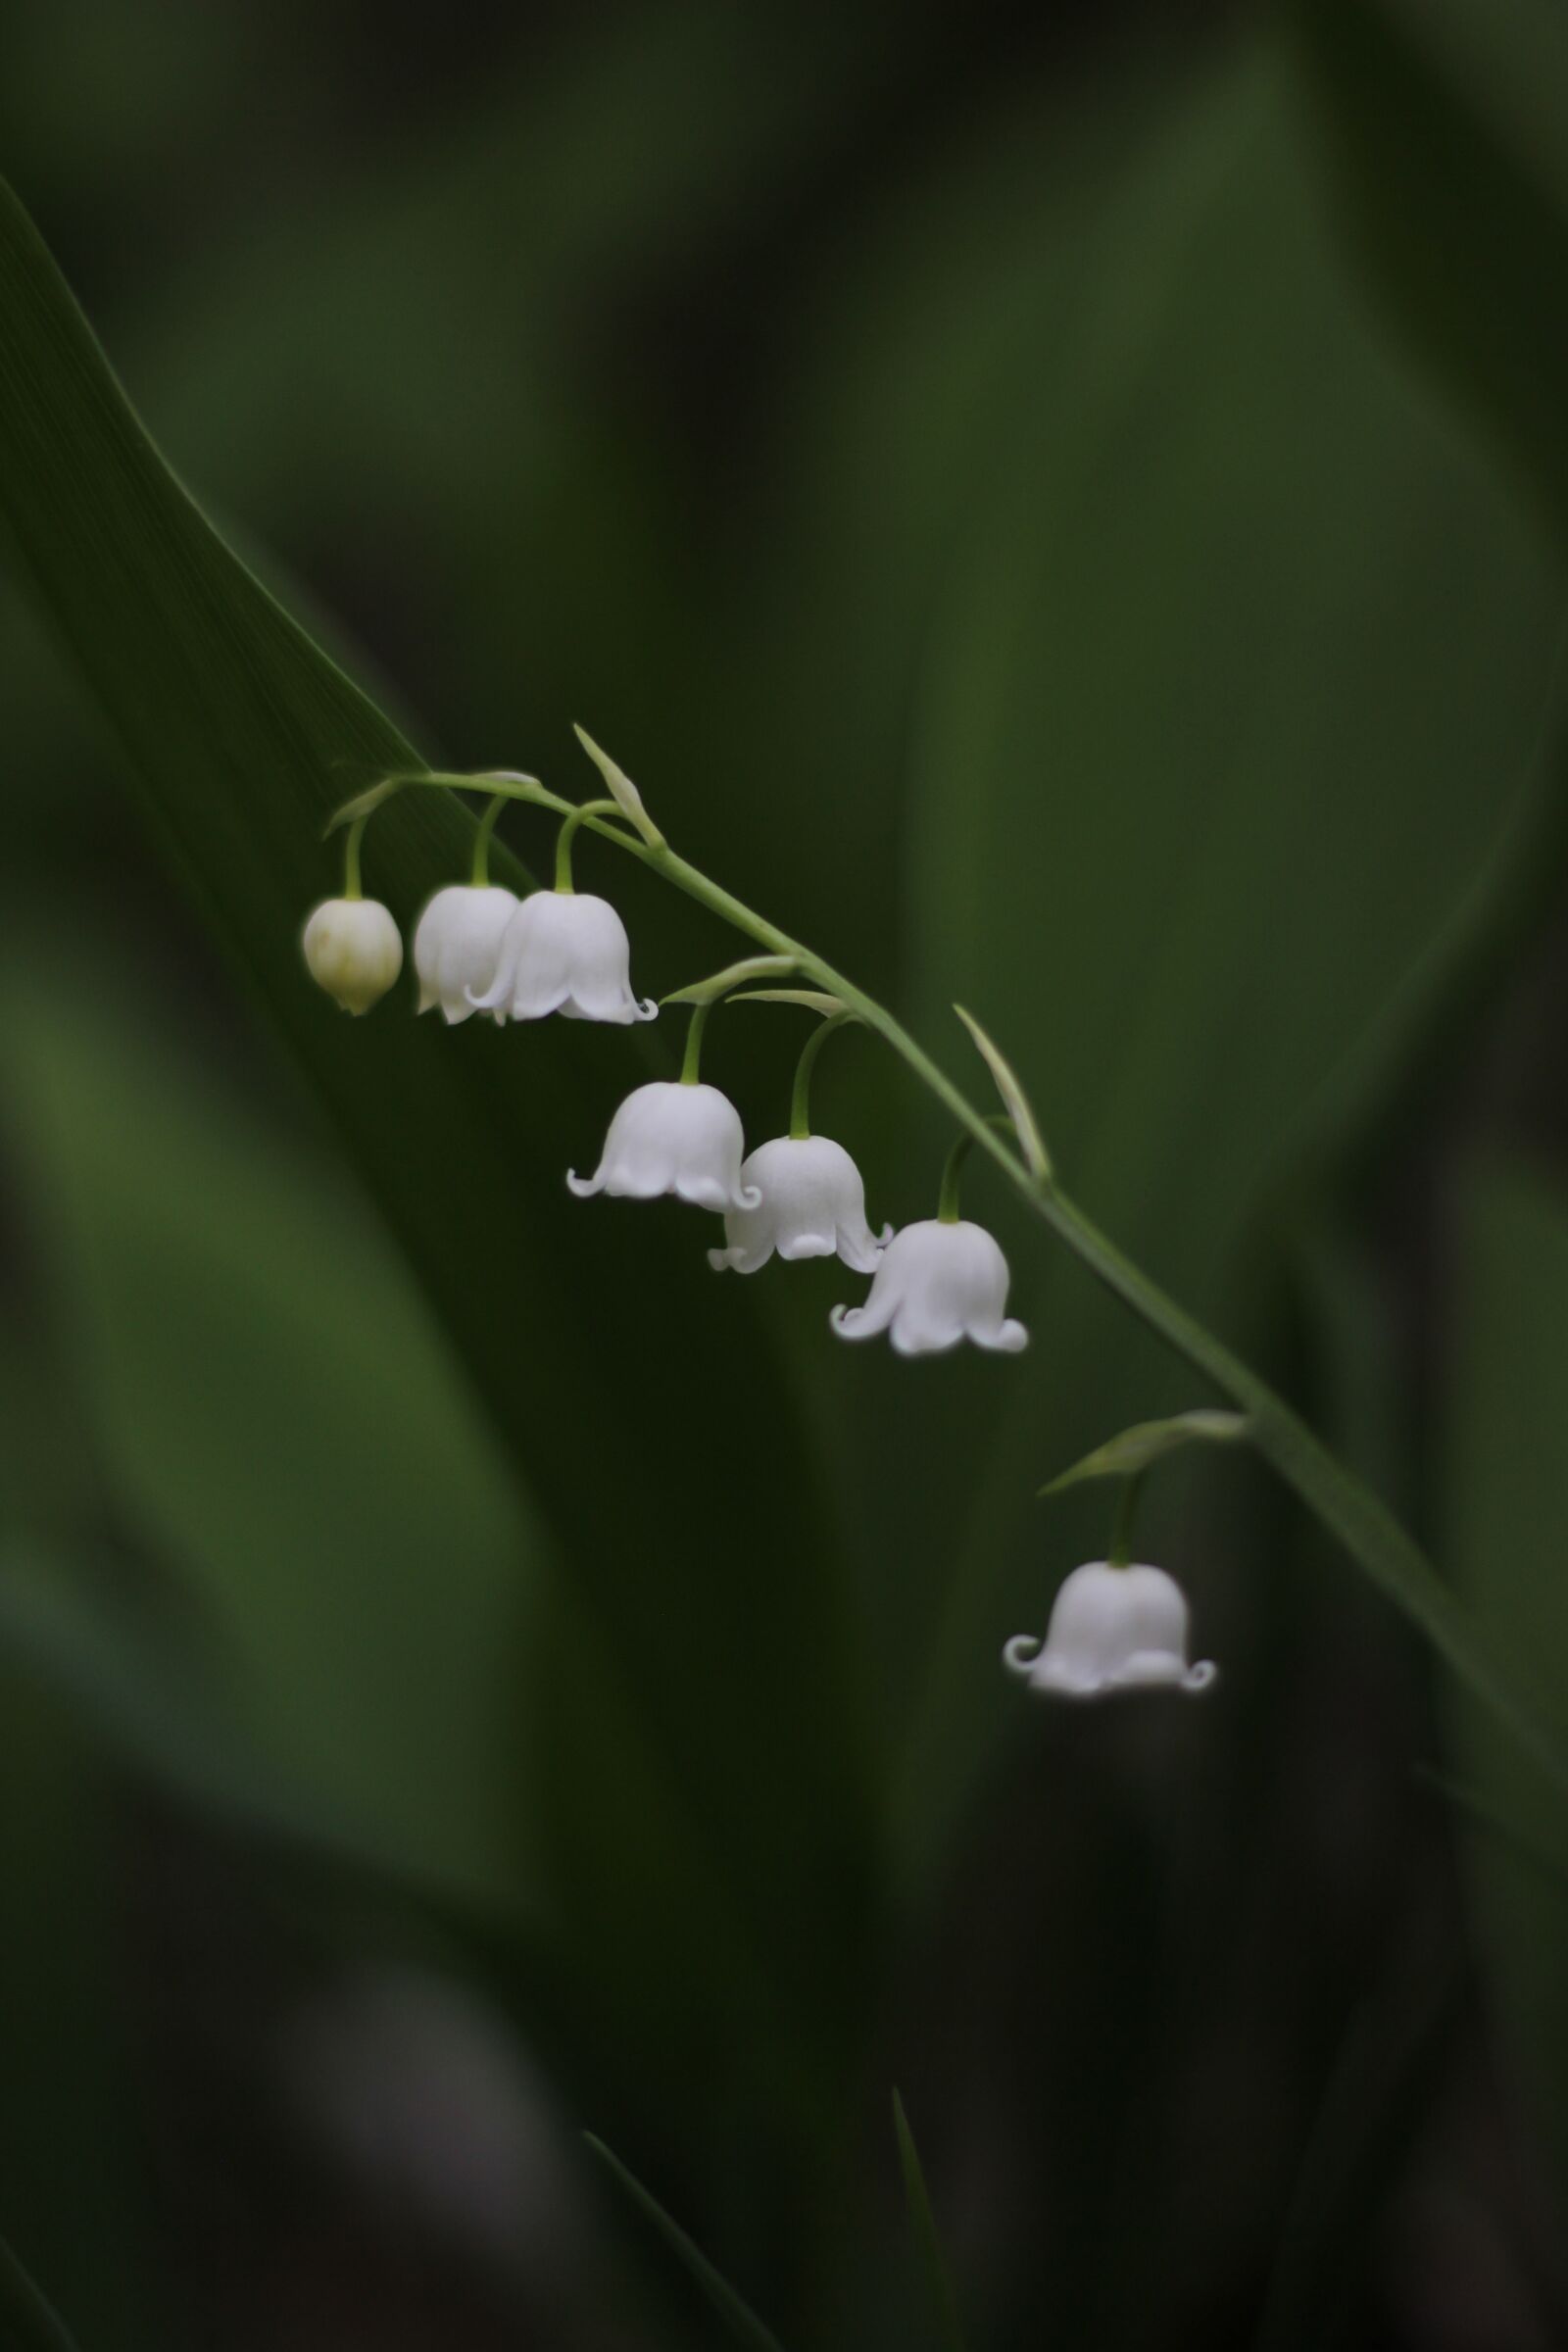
(30,2320)
(740,2320)
(927,2238)
(1443,122)
(1019,560)
(245,737)
(1133,1451)
(1502,1450)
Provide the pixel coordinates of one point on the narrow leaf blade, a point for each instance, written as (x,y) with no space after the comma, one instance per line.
(30,2321)
(622,791)
(737,2315)
(923,2221)
(1134,1450)
(1016,1103)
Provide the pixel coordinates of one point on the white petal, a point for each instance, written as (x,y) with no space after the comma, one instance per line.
(1113,1629)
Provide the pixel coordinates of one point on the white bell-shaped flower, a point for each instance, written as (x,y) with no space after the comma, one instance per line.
(456,945)
(812,1204)
(1112,1629)
(674,1137)
(936,1283)
(564,953)
(354,950)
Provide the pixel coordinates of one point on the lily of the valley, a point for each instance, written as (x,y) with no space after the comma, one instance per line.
(1112,1629)
(674,1136)
(936,1283)
(563,952)
(811,1203)
(354,951)
(456,944)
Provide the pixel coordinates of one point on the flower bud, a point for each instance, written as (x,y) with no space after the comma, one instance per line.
(354,951)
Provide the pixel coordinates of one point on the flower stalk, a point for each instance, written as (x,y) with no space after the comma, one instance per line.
(1351,1511)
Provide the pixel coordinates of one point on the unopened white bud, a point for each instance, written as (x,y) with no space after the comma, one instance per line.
(354,950)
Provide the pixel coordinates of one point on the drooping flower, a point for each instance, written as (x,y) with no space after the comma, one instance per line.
(936,1283)
(1112,1629)
(564,953)
(812,1204)
(456,945)
(674,1137)
(354,950)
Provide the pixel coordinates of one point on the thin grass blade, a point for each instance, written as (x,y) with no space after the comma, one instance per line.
(737,2315)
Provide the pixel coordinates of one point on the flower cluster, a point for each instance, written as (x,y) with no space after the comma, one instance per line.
(479,950)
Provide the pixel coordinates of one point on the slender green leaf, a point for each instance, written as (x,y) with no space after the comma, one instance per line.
(811,999)
(622,791)
(734,975)
(1394,2061)
(1025,1125)
(1445,122)
(349,1551)
(741,2321)
(927,2238)
(1552,1861)
(27,2319)
(243,739)
(1147,1442)
(1202,836)
(1501,1452)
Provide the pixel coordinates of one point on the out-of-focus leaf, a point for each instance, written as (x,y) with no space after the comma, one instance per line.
(30,2320)
(1502,1452)
(1237,665)
(725,1622)
(277,1418)
(1443,122)
(927,2238)
(1134,1450)
(738,2316)
(1393,2060)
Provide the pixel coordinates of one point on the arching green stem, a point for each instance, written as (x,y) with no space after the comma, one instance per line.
(569,829)
(480,875)
(691,1067)
(1349,1510)
(1122,1526)
(947,1198)
(951,1173)
(801,1097)
(351,857)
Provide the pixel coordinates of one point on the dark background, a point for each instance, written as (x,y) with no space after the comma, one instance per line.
(1060,506)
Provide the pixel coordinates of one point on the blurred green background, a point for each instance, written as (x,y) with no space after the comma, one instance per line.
(1064,508)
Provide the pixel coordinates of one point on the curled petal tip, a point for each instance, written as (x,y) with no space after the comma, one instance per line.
(647,1011)
(1020,1654)
(491,998)
(583,1186)
(1200,1677)
(1014,1338)
(747,1195)
(843,1319)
